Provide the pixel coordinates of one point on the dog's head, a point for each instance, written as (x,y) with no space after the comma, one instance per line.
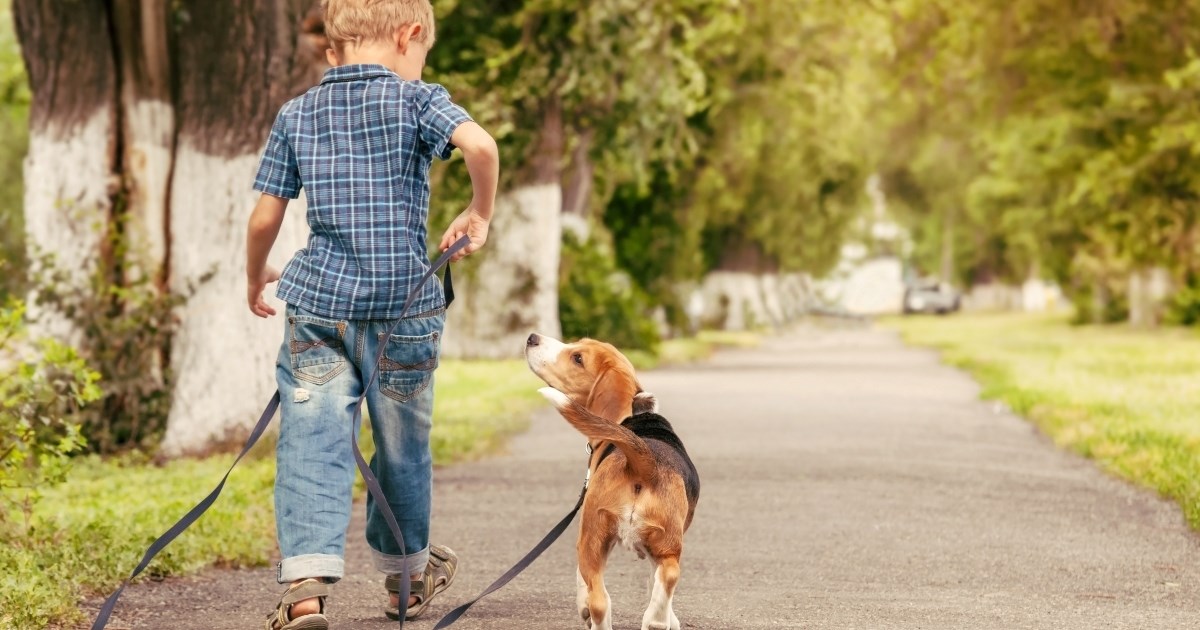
(591,372)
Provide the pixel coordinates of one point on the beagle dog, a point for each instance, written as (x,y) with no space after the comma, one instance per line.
(643,486)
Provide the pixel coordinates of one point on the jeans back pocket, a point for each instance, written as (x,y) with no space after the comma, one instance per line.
(318,348)
(407,365)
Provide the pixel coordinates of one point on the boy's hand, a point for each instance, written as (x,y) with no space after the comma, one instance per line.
(254,292)
(470,223)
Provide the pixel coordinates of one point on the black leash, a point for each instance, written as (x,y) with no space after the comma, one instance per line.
(520,566)
(264,420)
(538,549)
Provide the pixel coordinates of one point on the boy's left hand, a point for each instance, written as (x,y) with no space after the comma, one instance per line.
(470,223)
(254,292)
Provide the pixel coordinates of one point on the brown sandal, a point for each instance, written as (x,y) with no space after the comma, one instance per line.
(308,589)
(439,575)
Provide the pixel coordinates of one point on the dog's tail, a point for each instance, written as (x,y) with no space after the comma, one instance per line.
(637,454)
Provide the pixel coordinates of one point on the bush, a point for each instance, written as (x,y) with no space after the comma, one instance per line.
(126,322)
(597,300)
(1184,307)
(1103,302)
(40,400)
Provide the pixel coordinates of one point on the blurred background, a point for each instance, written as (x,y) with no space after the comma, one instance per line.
(671,169)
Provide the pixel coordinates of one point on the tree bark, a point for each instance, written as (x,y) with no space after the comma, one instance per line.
(238,61)
(510,289)
(70,170)
(159,110)
(577,192)
(146,127)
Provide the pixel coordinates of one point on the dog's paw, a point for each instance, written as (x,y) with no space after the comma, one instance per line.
(645,402)
(559,399)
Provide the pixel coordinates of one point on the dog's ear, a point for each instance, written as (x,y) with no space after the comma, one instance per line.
(644,402)
(612,395)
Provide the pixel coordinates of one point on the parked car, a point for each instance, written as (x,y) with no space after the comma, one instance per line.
(931,297)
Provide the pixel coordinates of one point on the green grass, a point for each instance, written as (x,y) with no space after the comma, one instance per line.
(87,535)
(1130,399)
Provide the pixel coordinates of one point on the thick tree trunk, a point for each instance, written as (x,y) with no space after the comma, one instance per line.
(159,110)
(70,178)
(1149,289)
(510,289)
(223,357)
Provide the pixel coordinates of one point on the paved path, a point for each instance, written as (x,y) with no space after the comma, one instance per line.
(848,483)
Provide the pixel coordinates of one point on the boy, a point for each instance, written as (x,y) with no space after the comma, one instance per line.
(360,144)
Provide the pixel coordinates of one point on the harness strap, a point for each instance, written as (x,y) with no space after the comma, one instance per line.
(265,419)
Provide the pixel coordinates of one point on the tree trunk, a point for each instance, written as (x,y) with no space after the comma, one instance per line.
(946,273)
(1149,288)
(510,289)
(577,193)
(223,357)
(159,111)
(146,127)
(71,169)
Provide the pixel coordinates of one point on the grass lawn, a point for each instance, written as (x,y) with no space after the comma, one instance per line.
(1130,399)
(86,535)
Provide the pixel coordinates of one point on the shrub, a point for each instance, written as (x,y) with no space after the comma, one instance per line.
(1184,306)
(40,399)
(126,322)
(598,300)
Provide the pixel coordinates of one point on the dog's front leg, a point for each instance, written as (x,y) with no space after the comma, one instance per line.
(660,614)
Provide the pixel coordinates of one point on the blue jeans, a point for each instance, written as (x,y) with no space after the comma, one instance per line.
(322,368)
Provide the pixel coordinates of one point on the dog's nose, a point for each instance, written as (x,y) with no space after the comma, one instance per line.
(533,340)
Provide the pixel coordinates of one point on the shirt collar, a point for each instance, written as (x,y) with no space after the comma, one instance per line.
(356,72)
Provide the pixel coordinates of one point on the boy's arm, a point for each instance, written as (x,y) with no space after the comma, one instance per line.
(483,163)
(264,226)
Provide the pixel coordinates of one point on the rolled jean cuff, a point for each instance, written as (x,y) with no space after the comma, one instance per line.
(313,565)
(395,565)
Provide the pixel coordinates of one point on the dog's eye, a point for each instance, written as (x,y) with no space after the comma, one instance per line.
(577,358)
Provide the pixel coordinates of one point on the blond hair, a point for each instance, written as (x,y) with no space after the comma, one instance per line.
(359,21)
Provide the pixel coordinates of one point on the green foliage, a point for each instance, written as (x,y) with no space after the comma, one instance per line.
(126,320)
(43,386)
(14,141)
(1124,397)
(469,419)
(596,300)
(86,536)
(1184,307)
(1041,138)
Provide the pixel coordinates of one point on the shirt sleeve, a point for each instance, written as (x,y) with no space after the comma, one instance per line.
(278,172)
(437,121)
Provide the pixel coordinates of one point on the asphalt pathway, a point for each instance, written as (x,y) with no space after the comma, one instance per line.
(848,482)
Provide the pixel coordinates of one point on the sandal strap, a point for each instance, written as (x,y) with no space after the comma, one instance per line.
(392,583)
(307,589)
(439,555)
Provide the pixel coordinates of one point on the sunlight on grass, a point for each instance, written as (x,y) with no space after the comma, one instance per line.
(1127,398)
(88,534)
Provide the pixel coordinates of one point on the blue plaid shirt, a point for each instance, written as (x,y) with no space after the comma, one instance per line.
(360,144)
